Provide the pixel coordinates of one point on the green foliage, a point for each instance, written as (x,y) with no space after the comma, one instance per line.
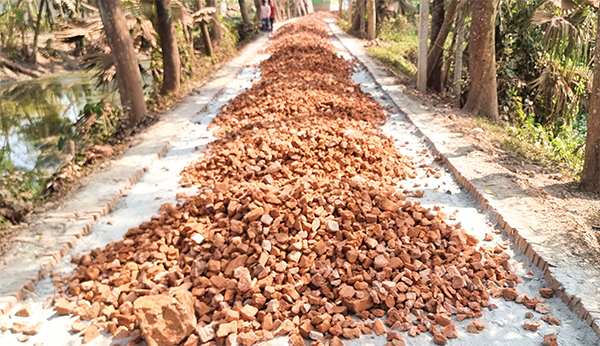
(534,141)
(97,123)
(543,63)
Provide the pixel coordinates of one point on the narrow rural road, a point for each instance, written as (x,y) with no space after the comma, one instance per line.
(317,214)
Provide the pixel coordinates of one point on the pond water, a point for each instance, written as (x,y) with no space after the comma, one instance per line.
(35,114)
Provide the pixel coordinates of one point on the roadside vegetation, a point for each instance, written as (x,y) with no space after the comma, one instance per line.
(543,60)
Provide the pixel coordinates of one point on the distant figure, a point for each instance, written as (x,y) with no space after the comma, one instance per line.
(265,14)
(272,16)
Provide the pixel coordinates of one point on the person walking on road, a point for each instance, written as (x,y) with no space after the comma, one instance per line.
(265,13)
(272,16)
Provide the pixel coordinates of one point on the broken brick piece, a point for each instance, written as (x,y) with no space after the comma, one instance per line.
(532,326)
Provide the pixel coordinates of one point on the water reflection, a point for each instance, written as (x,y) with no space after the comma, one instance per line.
(35,114)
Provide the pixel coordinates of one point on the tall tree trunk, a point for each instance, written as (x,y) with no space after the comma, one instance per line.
(49,16)
(435,56)
(371,13)
(590,177)
(437,18)
(351,9)
(244,11)
(448,62)
(36,34)
(278,14)
(129,79)
(257,4)
(483,97)
(355,18)
(206,38)
(303,7)
(168,45)
(205,33)
(458,59)
(309,6)
(341,6)
(216,31)
(362,10)
(189,39)
(434,71)
(422,59)
(358,17)
(29,9)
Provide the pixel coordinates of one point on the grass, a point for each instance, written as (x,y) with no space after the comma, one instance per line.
(529,143)
(398,56)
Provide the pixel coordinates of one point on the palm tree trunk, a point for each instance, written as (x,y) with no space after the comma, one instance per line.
(358,17)
(590,177)
(483,97)
(129,79)
(278,15)
(437,18)
(168,45)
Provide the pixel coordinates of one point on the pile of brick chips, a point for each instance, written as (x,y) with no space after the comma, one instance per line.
(299,229)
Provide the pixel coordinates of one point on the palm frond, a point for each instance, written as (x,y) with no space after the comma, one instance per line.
(567,33)
(556,87)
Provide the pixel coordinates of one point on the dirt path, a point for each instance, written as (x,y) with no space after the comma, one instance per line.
(300,190)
